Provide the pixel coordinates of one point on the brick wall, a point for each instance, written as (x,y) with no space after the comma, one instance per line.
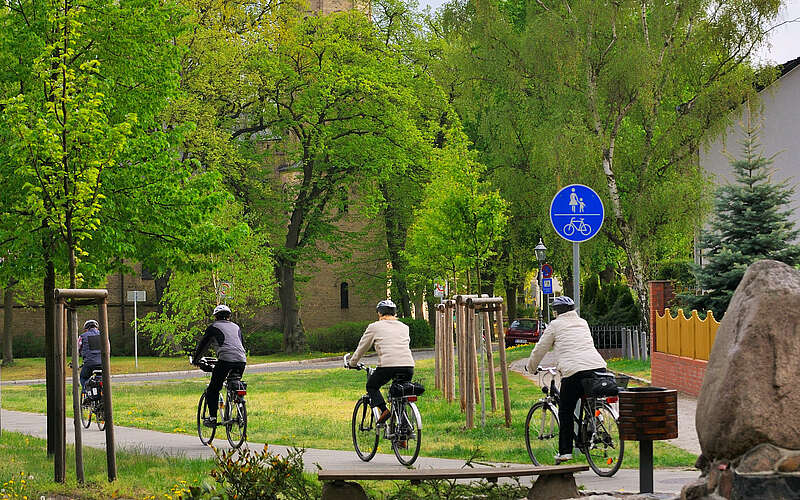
(676,372)
(666,370)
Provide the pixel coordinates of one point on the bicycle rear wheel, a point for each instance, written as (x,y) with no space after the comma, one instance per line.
(206,433)
(99,415)
(365,432)
(236,423)
(407,435)
(604,448)
(541,434)
(86,411)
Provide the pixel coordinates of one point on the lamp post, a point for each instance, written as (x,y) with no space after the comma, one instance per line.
(541,255)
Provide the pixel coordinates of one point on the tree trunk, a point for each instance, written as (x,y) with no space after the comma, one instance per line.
(8,325)
(48,289)
(431,302)
(418,306)
(294,339)
(511,300)
(396,232)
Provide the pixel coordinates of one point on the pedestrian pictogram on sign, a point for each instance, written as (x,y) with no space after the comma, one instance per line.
(547,285)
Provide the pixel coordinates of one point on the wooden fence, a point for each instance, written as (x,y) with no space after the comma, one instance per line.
(690,337)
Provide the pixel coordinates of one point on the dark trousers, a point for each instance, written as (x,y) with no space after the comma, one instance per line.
(570,393)
(380,376)
(222,370)
(86,372)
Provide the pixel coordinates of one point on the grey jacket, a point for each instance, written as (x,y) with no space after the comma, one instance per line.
(226,338)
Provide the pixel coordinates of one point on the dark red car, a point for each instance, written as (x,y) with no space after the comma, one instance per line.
(523,331)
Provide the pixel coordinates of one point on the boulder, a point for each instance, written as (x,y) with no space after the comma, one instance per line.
(790,463)
(554,487)
(751,389)
(762,458)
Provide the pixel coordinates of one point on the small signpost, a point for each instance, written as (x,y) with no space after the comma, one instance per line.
(576,213)
(136,296)
(438,290)
(225,289)
(547,286)
(547,271)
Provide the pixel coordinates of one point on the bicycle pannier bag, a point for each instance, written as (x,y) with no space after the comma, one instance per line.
(403,389)
(600,386)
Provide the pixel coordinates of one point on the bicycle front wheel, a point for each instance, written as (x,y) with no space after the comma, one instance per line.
(365,432)
(407,435)
(206,433)
(541,434)
(86,411)
(604,448)
(236,423)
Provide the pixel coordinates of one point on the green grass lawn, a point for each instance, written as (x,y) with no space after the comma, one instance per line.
(313,409)
(33,368)
(635,367)
(138,476)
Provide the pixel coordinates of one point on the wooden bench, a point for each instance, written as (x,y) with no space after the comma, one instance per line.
(558,477)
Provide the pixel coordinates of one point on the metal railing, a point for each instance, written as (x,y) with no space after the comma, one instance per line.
(630,341)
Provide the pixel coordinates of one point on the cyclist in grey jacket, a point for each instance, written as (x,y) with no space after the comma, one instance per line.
(89,349)
(226,338)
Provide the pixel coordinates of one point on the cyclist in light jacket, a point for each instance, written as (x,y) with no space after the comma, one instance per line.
(393,344)
(570,338)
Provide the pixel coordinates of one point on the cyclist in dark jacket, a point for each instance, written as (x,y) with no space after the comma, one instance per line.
(89,350)
(226,338)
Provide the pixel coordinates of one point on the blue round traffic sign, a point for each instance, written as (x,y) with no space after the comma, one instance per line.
(576,213)
(547,271)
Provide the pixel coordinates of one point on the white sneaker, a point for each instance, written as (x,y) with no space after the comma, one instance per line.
(563,458)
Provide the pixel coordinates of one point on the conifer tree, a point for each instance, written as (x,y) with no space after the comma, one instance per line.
(752,221)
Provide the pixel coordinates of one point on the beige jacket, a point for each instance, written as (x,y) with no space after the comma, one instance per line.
(391,340)
(570,338)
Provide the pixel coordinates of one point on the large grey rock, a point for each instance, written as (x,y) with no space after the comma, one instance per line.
(751,389)
(343,490)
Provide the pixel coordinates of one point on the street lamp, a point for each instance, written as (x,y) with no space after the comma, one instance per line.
(541,255)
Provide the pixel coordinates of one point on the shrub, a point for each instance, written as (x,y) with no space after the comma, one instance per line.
(29,346)
(246,474)
(263,343)
(337,338)
(420,332)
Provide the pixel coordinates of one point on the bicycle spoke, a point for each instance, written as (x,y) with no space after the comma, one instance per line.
(408,436)
(364,432)
(541,434)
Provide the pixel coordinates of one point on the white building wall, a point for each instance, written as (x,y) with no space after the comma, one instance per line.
(779,114)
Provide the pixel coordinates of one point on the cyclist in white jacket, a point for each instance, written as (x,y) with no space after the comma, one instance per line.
(391,340)
(570,338)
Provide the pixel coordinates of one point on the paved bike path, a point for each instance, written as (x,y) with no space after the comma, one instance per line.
(278,366)
(161,444)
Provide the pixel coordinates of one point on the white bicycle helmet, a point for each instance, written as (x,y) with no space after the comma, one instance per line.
(91,323)
(386,308)
(221,308)
(563,300)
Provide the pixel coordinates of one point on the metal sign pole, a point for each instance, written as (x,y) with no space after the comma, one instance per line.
(576,276)
(135,335)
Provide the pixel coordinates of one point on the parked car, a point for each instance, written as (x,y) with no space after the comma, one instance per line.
(523,331)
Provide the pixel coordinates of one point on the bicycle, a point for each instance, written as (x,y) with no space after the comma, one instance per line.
(583,228)
(232,412)
(92,401)
(597,436)
(402,428)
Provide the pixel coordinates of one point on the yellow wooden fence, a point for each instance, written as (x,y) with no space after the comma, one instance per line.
(688,337)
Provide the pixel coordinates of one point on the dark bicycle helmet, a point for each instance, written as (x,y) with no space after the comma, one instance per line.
(563,304)
(386,308)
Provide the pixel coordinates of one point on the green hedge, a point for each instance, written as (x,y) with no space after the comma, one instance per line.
(263,343)
(344,336)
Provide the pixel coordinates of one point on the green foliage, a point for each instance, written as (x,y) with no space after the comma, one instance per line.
(618,96)
(677,271)
(340,337)
(420,332)
(191,295)
(344,336)
(609,303)
(263,342)
(256,475)
(752,221)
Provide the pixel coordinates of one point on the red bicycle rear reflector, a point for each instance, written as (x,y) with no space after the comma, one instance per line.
(411,399)
(241,393)
(612,399)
